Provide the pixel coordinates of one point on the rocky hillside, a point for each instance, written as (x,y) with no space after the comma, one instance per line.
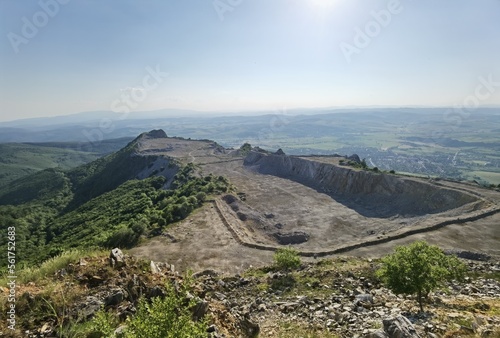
(386,195)
(337,297)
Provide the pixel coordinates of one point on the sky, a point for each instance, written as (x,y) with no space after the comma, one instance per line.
(61,57)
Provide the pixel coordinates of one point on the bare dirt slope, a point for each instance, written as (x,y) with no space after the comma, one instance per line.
(202,242)
(266,204)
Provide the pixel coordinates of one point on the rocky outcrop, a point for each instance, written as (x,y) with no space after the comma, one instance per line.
(395,327)
(346,301)
(156,133)
(371,194)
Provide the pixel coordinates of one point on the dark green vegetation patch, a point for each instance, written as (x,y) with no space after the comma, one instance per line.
(99,204)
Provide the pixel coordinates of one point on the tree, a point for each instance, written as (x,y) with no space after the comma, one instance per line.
(287,258)
(363,164)
(418,269)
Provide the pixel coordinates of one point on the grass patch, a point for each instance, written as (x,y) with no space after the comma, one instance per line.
(52,265)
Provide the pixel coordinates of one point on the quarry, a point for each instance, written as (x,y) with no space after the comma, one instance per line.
(318,204)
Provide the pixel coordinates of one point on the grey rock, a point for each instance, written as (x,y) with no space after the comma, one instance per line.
(200,309)
(364,297)
(115,298)
(88,308)
(120,331)
(399,327)
(208,272)
(156,291)
(155,270)
(251,328)
(376,334)
(116,258)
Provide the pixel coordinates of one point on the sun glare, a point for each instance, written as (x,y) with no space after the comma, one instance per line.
(323,3)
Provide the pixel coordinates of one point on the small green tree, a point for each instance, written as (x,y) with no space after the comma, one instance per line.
(418,269)
(363,164)
(287,258)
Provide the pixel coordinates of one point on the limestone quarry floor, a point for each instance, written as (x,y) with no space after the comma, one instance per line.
(202,241)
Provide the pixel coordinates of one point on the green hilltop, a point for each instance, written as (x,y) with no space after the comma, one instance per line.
(100,204)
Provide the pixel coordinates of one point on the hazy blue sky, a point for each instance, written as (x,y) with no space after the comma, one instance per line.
(67,56)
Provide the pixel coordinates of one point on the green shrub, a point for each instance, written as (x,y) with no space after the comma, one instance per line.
(169,317)
(124,237)
(287,258)
(201,197)
(102,325)
(418,269)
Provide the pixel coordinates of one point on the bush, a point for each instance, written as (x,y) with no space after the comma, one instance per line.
(169,317)
(201,197)
(102,325)
(124,237)
(287,258)
(418,269)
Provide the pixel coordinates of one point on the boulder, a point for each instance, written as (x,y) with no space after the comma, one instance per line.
(156,291)
(116,258)
(376,334)
(363,298)
(115,298)
(120,331)
(155,270)
(200,309)
(399,327)
(89,307)
(251,328)
(207,272)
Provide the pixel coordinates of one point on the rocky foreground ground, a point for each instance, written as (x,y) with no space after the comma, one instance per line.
(337,297)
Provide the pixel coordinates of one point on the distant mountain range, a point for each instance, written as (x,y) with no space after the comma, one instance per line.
(441,142)
(98,125)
